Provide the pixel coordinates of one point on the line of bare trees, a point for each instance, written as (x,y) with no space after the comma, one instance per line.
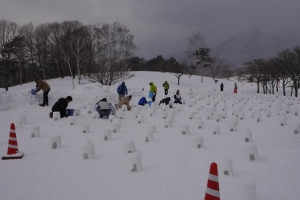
(281,70)
(52,50)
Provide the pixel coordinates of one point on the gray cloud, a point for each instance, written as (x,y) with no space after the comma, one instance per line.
(161,27)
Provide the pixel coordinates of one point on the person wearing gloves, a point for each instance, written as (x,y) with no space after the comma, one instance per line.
(153,89)
(61,107)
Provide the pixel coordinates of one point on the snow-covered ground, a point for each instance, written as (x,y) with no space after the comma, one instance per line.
(173,168)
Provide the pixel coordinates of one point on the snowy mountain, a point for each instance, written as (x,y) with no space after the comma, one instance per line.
(246,46)
(251,45)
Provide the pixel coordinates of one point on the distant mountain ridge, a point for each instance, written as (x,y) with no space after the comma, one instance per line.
(250,45)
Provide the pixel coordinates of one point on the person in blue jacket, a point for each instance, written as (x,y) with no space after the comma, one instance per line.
(142,101)
(122,90)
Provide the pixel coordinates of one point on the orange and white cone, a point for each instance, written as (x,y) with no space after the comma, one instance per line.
(213,190)
(12,150)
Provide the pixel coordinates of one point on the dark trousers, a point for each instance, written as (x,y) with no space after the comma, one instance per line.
(166,91)
(45,97)
(177,101)
(153,98)
(104,113)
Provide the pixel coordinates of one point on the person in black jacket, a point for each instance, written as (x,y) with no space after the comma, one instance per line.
(221,86)
(165,101)
(61,106)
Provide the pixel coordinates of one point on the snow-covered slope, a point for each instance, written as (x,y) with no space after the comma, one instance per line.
(172,166)
(250,45)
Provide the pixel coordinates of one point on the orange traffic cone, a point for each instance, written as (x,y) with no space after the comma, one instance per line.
(12,150)
(212,190)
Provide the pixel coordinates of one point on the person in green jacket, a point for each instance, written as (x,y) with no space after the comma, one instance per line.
(166,87)
(153,89)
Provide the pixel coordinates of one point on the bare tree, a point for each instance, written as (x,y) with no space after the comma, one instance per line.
(203,59)
(42,47)
(254,70)
(274,75)
(178,69)
(20,55)
(290,59)
(227,73)
(56,34)
(196,41)
(69,27)
(197,52)
(295,72)
(284,60)
(27,31)
(8,31)
(217,67)
(118,47)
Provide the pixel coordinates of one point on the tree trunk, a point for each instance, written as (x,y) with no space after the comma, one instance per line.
(78,70)
(71,74)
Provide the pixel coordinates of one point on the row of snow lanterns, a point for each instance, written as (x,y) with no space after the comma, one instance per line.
(197,142)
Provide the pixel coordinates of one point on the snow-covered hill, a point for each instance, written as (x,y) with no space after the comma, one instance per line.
(250,45)
(230,128)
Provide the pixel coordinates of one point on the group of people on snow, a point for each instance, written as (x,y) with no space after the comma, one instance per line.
(59,106)
(234,89)
(105,108)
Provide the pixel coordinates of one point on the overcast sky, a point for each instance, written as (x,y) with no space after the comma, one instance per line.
(161,27)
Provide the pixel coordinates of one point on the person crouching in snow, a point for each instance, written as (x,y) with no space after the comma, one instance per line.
(104,108)
(177,97)
(142,101)
(124,101)
(61,107)
(165,101)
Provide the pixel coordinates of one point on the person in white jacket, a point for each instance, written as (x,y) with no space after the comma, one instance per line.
(104,108)
(177,97)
